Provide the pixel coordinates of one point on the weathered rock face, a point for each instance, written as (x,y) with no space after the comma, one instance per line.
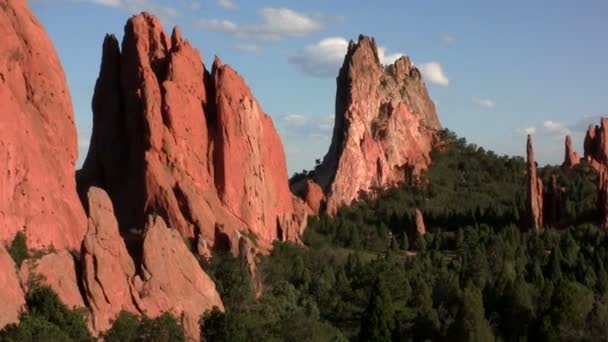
(596,153)
(11,296)
(313,195)
(58,271)
(170,278)
(107,267)
(173,279)
(38,146)
(194,147)
(571,158)
(535,190)
(420,227)
(384,128)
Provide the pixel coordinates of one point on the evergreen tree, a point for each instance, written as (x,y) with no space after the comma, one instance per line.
(472,324)
(377,323)
(405,243)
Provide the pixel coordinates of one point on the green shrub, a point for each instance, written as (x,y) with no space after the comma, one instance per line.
(18,249)
(128,327)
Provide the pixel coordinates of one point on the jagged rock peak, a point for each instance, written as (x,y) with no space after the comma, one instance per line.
(384,129)
(38,148)
(170,138)
(534,190)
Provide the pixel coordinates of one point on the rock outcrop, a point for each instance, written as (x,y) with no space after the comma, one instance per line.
(12,298)
(554,203)
(420,227)
(534,203)
(596,154)
(38,148)
(571,158)
(172,279)
(172,139)
(56,270)
(107,267)
(168,278)
(385,126)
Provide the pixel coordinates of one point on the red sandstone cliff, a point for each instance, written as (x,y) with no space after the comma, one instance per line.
(384,128)
(596,153)
(571,158)
(193,146)
(38,146)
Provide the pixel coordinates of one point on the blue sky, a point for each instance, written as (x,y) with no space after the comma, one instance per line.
(495,69)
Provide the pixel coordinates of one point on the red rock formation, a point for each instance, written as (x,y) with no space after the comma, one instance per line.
(535,190)
(384,128)
(554,202)
(58,271)
(596,153)
(313,195)
(170,278)
(571,159)
(420,227)
(11,296)
(169,138)
(107,267)
(38,148)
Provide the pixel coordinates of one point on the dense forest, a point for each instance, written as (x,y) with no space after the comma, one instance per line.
(478,274)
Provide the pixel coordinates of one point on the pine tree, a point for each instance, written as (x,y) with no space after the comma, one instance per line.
(405,243)
(472,324)
(378,323)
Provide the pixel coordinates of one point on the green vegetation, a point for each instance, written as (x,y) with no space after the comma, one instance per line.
(18,249)
(130,328)
(47,319)
(477,275)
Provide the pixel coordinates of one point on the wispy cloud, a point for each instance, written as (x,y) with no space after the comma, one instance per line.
(228,4)
(277,24)
(295,119)
(485,102)
(136,6)
(433,72)
(324,58)
(249,47)
(448,40)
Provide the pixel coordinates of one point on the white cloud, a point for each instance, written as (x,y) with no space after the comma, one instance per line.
(110,3)
(295,119)
(136,6)
(448,40)
(555,128)
(324,58)
(485,103)
(247,47)
(527,131)
(433,72)
(277,24)
(228,4)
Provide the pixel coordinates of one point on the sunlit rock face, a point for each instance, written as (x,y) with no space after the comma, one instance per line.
(172,138)
(385,126)
(38,147)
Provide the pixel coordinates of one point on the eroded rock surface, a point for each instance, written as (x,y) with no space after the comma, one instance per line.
(11,295)
(385,126)
(596,153)
(38,147)
(172,139)
(534,201)
(571,158)
(420,227)
(56,270)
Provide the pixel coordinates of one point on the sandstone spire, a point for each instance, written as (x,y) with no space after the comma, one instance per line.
(535,190)
(384,129)
(195,147)
(571,158)
(596,153)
